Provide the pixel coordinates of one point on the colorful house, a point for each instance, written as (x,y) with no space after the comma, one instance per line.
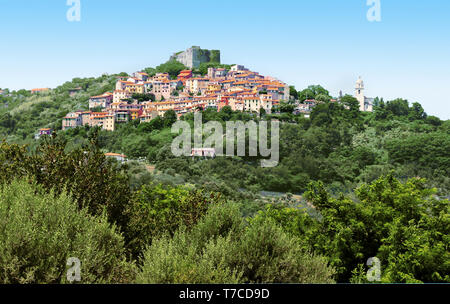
(72,120)
(42,90)
(119,95)
(184,75)
(135,88)
(43,131)
(119,157)
(101,101)
(102,119)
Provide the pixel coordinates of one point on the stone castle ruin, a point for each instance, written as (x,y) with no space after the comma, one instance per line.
(194,56)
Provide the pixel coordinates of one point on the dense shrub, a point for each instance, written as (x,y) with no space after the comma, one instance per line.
(222,249)
(91,180)
(403,224)
(156,210)
(40,231)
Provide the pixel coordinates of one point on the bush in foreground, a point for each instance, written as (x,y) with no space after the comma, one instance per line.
(40,231)
(223,248)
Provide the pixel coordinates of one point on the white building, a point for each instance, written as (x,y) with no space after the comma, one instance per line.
(365,103)
(237,68)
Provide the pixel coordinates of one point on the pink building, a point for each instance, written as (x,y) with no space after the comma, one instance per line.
(45,131)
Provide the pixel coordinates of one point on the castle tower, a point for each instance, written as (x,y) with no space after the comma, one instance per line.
(359,93)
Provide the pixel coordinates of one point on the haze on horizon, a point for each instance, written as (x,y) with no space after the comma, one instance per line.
(326,42)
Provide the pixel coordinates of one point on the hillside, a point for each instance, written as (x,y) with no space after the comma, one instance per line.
(22,113)
(341,147)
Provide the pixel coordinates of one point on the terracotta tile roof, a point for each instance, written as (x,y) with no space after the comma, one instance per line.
(115,154)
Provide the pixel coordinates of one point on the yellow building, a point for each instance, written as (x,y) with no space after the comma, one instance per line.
(134,113)
(214,87)
(135,88)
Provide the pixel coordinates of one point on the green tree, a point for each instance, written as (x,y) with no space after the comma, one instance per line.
(390,220)
(39,231)
(417,112)
(433,120)
(293,92)
(172,67)
(159,209)
(203,67)
(170,117)
(262,112)
(7,121)
(429,150)
(352,104)
(322,98)
(143,97)
(312,92)
(286,108)
(398,107)
(93,182)
(221,248)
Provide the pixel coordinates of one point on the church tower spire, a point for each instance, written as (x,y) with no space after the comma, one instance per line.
(359,93)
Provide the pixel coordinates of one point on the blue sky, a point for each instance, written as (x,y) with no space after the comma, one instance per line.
(325,42)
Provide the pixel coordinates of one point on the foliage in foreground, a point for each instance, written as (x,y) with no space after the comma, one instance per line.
(402,224)
(156,210)
(222,248)
(92,181)
(39,232)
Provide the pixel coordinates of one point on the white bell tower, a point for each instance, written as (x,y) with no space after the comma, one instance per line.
(359,93)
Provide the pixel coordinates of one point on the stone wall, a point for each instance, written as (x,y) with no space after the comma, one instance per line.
(194,56)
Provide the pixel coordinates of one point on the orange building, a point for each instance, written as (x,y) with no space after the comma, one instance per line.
(184,75)
(42,90)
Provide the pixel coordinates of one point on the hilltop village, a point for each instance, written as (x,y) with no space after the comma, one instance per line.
(239,88)
(143,96)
